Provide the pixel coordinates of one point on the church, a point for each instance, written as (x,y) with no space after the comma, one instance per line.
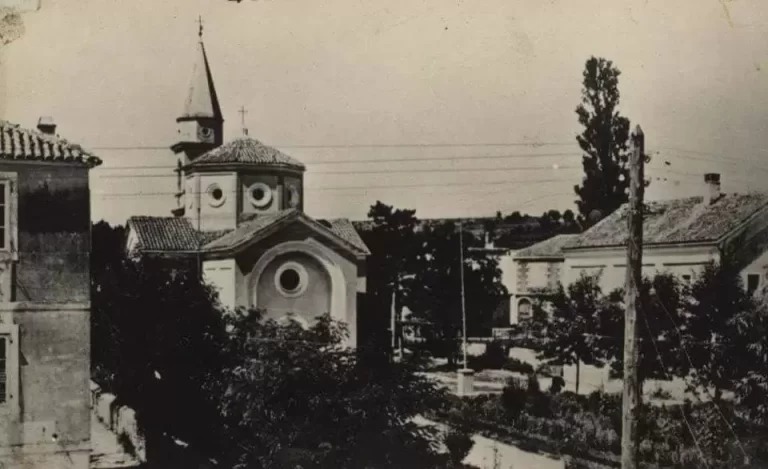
(239,219)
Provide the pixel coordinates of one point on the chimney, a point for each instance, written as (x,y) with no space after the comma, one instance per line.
(46,125)
(712,181)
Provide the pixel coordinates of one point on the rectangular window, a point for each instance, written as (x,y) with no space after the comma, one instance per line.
(4,214)
(753,281)
(3,369)
(9,370)
(686,279)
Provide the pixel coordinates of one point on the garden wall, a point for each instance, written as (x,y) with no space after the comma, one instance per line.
(121,420)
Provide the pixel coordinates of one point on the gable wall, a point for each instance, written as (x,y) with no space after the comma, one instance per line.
(346,262)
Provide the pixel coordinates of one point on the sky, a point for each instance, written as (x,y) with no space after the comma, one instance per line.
(473,99)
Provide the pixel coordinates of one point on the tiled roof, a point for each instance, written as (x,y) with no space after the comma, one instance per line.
(254,226)
(249,229)
(169,234)
(687,220)
(345,230)
(177,234)
(552,247)
(246,151)
(23,144)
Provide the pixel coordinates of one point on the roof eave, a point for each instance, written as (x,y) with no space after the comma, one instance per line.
(539,258)
(606,247)
(198,166)
(234,249)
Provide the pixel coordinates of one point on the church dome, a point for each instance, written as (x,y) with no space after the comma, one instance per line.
(247,153)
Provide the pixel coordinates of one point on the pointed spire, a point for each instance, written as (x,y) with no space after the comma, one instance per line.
(202,101)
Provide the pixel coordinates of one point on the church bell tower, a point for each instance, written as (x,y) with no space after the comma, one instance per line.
(200,125)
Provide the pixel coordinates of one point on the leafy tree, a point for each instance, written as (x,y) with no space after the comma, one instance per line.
(573,329)
(662,307)
(711,336)
(287,390)
(604,141)
(156,337)
(393,250)
(434,293)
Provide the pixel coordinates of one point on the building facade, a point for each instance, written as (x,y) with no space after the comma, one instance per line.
(680,236)
(240,220)
(44,299)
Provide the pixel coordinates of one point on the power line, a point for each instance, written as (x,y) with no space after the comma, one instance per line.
(379,171)
(369,145)
(389,160)
(365,188)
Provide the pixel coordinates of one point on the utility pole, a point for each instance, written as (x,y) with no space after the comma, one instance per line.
(393,320)
(632,393)
(463,305)
(465,375)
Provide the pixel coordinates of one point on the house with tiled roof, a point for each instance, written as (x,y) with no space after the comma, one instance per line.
(680,236)
(44,298)
(239,219)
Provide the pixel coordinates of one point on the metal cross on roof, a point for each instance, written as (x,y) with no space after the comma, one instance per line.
(200,24)
(243,112)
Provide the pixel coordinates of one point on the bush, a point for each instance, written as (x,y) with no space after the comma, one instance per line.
(494,357)
(558,383)
(513,398)
(459,443)
(519,366)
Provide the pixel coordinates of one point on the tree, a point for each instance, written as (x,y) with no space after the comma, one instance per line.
(392,242)
(662,307)
(156,336)
(434,293)
(604,141)
(711,335)
(288,391)
(572,331)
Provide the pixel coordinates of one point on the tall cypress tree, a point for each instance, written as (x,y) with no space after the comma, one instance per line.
(604,141)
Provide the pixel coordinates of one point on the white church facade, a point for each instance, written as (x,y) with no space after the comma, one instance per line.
(240,219)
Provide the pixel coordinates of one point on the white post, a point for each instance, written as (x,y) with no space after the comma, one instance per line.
(466,376)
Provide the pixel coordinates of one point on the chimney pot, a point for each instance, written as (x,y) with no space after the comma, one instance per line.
(712,181)
(46,125)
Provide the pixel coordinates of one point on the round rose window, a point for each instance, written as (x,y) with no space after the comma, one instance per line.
(291,279)
(216,196)
(293,196)
(260,195)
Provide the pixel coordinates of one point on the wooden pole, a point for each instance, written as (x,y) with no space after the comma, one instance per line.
(463,305)
(632,393)
(393,321)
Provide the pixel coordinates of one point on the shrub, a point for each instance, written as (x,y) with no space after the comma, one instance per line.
(513,398)
(459,443)
(494,357)
(519,366)
(558,383)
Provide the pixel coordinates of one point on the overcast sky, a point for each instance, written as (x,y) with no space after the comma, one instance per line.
(113,73)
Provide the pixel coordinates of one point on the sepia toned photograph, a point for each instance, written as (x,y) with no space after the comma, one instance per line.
(403,234)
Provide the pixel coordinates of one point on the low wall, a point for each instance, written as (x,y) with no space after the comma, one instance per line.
(121,420)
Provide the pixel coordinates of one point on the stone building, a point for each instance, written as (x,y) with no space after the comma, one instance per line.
(240,220)
(44,299)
